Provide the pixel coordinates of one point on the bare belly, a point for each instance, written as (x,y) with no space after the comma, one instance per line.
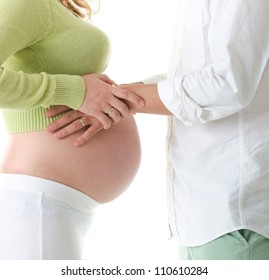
(103,168)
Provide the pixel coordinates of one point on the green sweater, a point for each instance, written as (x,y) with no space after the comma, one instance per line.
(44,51)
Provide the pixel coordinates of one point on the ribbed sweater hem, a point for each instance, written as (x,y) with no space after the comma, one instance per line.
(26,121)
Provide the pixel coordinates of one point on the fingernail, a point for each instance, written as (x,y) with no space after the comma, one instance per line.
(76,143)
(142,103)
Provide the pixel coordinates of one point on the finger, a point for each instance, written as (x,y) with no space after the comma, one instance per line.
(103,119)
(106,79)
(56,110)
(120,106)
(115,115)
(64,120)
(127,95)
(69,129)
(87,135)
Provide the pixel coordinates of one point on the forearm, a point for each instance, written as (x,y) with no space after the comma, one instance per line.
(150,94)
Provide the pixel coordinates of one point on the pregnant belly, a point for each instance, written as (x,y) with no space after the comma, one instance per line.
(103,168)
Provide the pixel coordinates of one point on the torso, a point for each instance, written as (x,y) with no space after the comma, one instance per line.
(103,168)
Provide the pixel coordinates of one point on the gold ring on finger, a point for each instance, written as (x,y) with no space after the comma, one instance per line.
(110,111)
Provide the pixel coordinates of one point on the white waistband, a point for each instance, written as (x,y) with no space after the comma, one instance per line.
(51,189)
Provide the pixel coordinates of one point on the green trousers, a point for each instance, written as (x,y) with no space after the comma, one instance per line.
(238,245)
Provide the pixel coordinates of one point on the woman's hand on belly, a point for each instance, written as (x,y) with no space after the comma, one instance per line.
(71,122)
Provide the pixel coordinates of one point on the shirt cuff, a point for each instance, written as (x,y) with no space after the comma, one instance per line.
(178,102)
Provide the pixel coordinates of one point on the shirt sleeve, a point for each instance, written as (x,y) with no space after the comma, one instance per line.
(23,23)
(155,79)
(236,44)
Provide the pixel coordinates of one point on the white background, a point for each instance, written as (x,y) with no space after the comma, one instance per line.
(134,226)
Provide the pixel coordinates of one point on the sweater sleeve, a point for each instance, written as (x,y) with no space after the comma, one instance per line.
(23,23)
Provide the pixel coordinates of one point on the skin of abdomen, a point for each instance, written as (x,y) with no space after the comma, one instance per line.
(102,168)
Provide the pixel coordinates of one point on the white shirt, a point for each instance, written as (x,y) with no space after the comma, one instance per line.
(218,90)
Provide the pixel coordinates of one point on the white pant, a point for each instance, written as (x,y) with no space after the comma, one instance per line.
(42,219)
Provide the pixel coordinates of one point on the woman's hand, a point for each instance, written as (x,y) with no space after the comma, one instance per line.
(72,121)
(106,102)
